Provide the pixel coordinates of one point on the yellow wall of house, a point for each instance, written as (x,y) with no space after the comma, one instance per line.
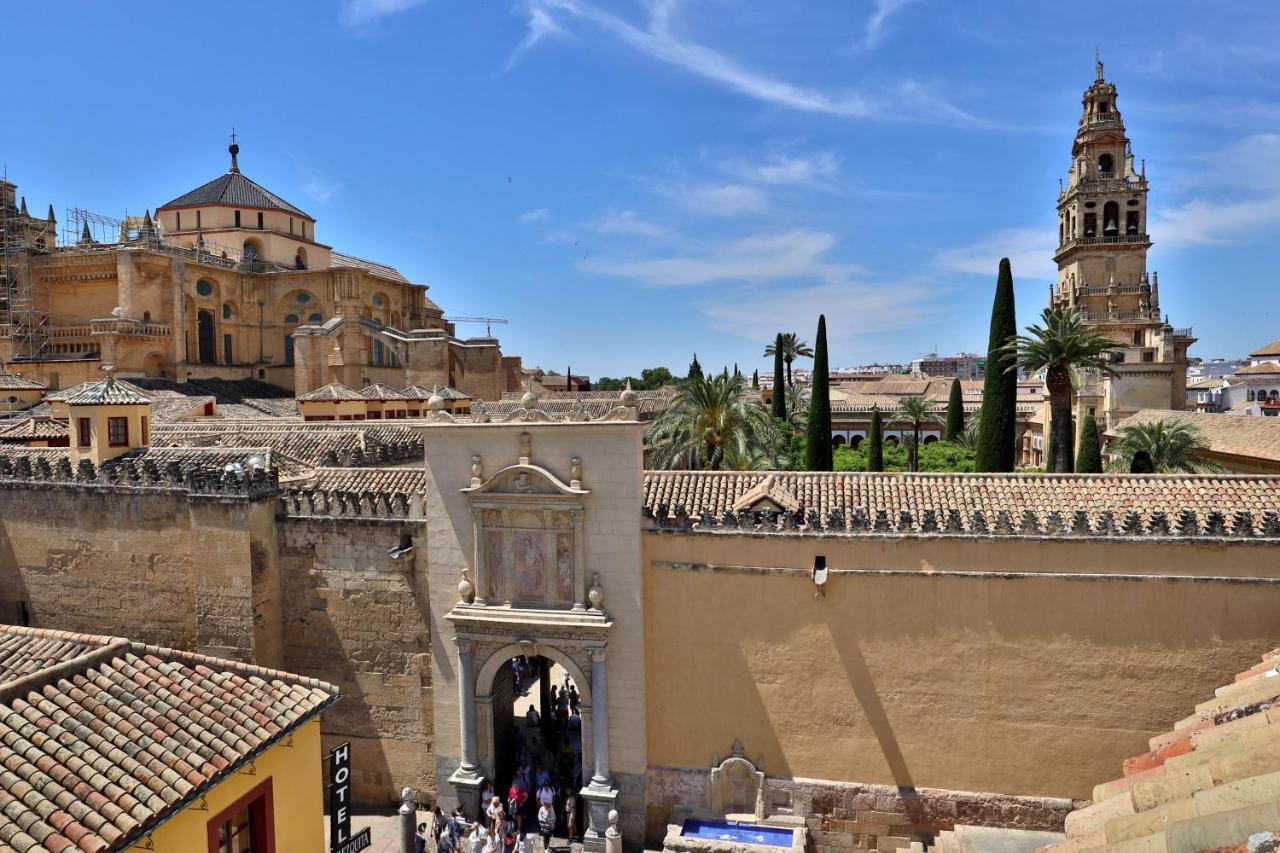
(1035,685)
(297,790)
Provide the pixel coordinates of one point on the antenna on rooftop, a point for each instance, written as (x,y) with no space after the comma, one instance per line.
(489,322)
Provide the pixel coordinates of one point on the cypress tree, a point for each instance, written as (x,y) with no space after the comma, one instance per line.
(1089,457)
(1142,463)
(998,422)
(755,380)
(955,413)
(817,450)
(779,403)
(875,453)
(695,369)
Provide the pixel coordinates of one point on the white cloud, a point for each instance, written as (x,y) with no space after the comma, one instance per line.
(319,190)
(784,168)
(358,14)
(852,308)
(907,100)
(540,25)
(540,214)
(629,222)
(1202,221)
(762,257)
(876,23)
(1029,250)
(717,199)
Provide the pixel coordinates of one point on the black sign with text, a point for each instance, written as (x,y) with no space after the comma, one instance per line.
(361,840)
(340,840)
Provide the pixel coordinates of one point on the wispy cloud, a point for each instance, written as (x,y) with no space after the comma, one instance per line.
(1029,250)
(320,190)
(359,14)
(783,168)
(630,222)
(540,214)
(794,255)
(879,18)
(853,308)
(1234,194)
(728,199)
(540,25)
(910,100)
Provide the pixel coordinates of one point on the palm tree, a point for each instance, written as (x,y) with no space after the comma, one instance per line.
(1172,446)
(791,347)
(714,423)
(1062,347)
(916,410)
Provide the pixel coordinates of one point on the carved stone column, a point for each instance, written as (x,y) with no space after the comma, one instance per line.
(600,794)
(467,779)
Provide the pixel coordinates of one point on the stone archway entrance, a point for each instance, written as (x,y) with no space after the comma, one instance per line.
(494,701)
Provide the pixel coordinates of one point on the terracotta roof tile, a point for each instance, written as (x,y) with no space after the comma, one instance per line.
(1236,435)
(1261,368)
(102,738)
(1272,348)
(378,391)
(1037,504)
(106,392)
(332,392)
(15,382)
(1213,781)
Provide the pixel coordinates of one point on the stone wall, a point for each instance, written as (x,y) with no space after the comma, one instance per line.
(356,617)
(150,565)
(1025,667)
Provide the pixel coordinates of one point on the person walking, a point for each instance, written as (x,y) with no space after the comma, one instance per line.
(546,823)
(494,813)
(420,839)
(569,801)
(476,839)
(574,698)
(491,844)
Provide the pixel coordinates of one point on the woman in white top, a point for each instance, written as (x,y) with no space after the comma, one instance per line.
(476,839)
(492,843)
(494,812)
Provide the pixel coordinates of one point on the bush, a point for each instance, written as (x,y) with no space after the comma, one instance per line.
(937,456)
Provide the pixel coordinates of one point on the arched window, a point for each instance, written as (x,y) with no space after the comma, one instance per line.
(291,318)
(1106,166)
(377,301)
(226,311)
(204,288)
(288,349)
(316,318)
(303,298)
(855,442)
(377,353)
(252,251)
(1111,219)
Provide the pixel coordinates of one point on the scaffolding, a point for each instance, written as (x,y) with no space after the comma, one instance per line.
(25,308)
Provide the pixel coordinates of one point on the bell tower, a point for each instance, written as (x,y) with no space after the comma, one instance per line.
(1102,265)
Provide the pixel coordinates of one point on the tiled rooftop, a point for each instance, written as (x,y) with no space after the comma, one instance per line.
(101,739)
(14,382)
(378,391)
(33,429)
(332,392)
(107,392)
(1210,784)
(1262,368)
(1235,435)
(1272,348)
(311,444)
(410,481)
(337,259)
(1035,504)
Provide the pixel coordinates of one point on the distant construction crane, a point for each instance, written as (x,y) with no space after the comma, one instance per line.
(489,323)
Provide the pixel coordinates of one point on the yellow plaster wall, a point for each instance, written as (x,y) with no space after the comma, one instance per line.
(297,791)
(1032,686)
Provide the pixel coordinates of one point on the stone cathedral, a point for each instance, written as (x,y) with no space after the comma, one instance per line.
(1102,268)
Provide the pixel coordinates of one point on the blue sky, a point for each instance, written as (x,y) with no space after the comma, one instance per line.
(630,182)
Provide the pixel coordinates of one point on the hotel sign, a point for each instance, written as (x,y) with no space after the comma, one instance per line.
(340,838)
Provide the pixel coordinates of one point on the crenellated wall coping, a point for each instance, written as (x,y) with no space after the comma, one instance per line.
(349,505)
(139,476)
(1187,524)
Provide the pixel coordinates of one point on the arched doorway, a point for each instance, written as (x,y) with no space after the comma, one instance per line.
(204,336)
(515,744)
(152,365)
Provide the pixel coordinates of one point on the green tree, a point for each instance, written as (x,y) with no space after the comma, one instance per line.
(711,424)
(1089,456)
(1165,446)
(955,413)
(817,455)
(999,416)
(755,380)
(791,347)
(779,400)
(695,369)
(916,410)
(1061,347)
(875,450)
(1141,463)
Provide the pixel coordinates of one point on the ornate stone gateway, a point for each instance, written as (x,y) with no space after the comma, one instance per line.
(530,596)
